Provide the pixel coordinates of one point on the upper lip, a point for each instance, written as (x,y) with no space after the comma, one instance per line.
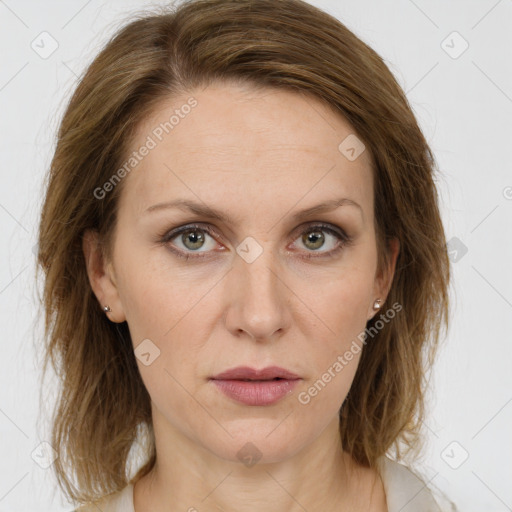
(247,373)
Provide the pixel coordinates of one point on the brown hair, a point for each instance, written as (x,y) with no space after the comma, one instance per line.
(287,44)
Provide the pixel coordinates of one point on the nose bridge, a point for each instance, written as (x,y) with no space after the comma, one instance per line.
(260,295)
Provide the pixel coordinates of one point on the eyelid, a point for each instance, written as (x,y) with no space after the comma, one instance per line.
(174,232)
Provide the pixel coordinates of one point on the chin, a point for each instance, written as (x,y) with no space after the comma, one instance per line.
(255,442)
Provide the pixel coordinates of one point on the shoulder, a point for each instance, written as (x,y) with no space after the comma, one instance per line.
(407,492)
(121,501)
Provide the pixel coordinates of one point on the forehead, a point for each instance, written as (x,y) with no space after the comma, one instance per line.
(240,143)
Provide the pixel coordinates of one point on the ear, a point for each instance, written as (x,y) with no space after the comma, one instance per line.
(384,278)
(101,276)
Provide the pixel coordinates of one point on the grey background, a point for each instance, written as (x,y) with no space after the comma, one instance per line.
(463,101)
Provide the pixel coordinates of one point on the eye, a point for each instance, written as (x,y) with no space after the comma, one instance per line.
(190,238)
(187,240)
(314,239)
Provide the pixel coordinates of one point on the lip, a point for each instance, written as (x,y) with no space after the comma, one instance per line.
(248,373)
(256,387)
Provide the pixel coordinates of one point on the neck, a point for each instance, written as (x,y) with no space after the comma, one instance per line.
(190,477)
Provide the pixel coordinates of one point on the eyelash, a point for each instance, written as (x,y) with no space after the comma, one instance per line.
(167,236)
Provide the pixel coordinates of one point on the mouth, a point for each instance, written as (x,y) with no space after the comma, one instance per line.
(256,392)
(246,373)
(256,387)
(258,380)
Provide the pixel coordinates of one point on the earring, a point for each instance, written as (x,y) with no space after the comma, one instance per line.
(376,304)
(106,309)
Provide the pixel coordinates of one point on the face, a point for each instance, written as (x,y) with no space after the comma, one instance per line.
(259,283)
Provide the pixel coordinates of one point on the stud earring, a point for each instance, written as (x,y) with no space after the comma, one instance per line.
(376,304)
(106,309)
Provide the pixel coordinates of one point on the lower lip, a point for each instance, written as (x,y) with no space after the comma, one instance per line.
(265,392)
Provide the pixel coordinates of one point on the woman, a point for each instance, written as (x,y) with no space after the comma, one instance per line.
(245,266)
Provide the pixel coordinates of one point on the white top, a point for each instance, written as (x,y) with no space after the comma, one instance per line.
(405,492)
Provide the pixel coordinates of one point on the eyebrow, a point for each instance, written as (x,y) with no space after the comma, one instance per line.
(206,211)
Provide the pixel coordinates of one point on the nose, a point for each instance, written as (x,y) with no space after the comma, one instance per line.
(257,296)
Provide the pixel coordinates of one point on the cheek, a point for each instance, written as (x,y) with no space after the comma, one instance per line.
(166,305)
(335,332)
(340,301)
(156,295)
